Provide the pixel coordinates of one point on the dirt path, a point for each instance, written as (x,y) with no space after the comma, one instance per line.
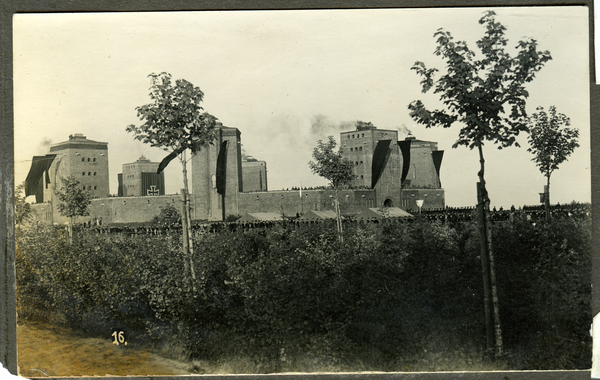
(44,351)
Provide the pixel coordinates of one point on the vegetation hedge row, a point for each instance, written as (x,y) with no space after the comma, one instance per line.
(392,296)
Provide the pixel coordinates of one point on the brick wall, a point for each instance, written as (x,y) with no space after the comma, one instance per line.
(113,210)
(289,203)
(432,199)
(286,202)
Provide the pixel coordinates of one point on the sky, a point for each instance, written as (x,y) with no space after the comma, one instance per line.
(288,78)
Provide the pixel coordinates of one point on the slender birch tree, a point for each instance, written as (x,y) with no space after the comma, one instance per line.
(551,142)
(484,93)
(329,164)
(176,122)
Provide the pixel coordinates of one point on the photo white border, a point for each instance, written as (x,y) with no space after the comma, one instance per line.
(8,348)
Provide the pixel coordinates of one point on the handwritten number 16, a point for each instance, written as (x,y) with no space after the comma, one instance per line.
(119,338)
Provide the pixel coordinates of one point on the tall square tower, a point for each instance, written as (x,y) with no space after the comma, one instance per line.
(254,174)
(389,166)
(84,159)
(140,179)
(377,161)
(425,161)
(217,176)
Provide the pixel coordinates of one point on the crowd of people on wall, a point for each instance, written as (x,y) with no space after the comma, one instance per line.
(532,213)
(444,215)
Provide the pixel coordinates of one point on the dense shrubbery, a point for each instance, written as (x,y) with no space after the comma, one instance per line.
(544,280)
(393,296)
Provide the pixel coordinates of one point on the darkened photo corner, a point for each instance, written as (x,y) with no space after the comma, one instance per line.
(300,191)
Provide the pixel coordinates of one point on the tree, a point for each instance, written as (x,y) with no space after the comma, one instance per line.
(175,122)
(487,96)
(22,208)
(168,216)
(74,201)
(330,165)
(551,142)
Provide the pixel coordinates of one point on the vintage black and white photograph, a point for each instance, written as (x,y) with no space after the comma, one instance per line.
(302,191)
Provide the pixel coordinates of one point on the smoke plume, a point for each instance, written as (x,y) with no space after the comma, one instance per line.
(44,146)
(403,130)
(322,126)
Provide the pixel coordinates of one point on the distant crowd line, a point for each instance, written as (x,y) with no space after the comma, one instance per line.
(532,213)
(296,188)
(442,215)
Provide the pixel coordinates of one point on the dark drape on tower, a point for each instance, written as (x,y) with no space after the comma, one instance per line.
(153,184)
(437,162)
(405,149)
(379,160)
(120,182)
(222,168)
(39,166)
(165,161)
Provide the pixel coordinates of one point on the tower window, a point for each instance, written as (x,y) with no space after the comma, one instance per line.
(88,159)
(350,149)
(83,159)
(83,173)
(94,173)
(95,187)
(94,159)
(89,173)
(360,148)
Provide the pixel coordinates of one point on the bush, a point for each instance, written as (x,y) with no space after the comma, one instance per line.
(168,216)
(393,296)
(544,277)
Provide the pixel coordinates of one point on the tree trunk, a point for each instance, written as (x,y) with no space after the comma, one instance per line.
(70,228)
(487,227)
(184,232)
(547,197)
(487,299)
(187,227)
(338,217)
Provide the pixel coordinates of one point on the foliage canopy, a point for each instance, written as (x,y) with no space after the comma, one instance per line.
(22,208)
(330,164)
(74,199)
(175,118)
(550,139)
(168,215)
(487,95)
